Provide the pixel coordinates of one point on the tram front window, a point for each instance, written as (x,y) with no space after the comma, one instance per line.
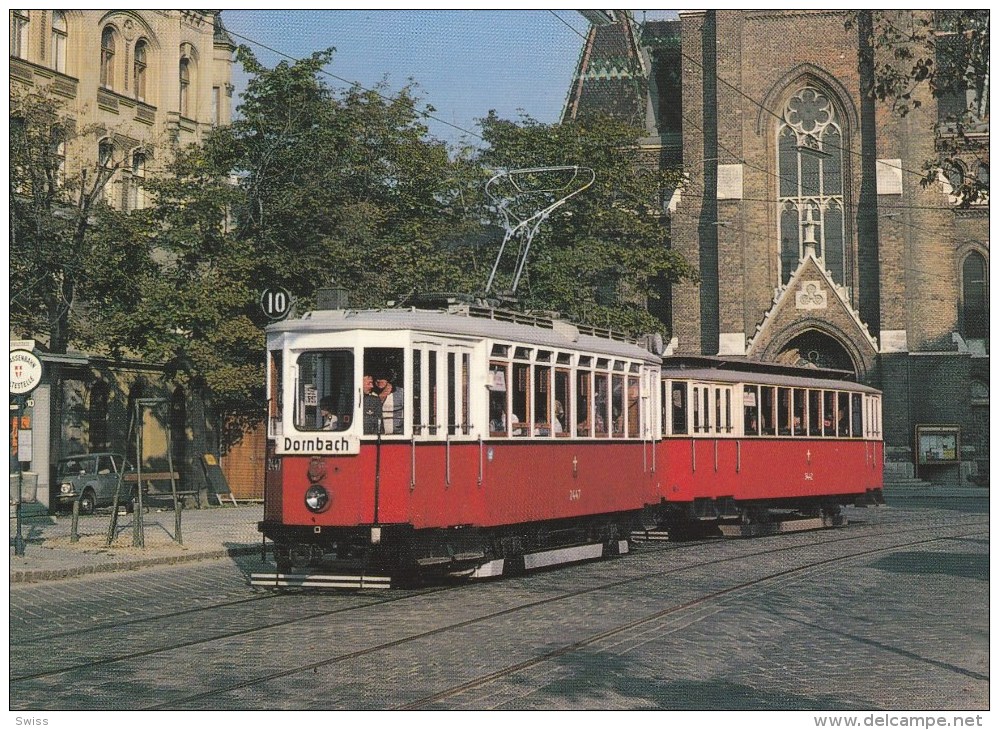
(324,390)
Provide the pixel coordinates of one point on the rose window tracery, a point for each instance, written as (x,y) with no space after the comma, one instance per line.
(810,162)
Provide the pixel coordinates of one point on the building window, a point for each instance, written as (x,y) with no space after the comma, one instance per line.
(107,57)
(216,105)
(185,85)
(59,35)
(137,198)
(105,161)
(19,33)
(963,102)
(139,69)
(810,165)
(59,157)
(975,297)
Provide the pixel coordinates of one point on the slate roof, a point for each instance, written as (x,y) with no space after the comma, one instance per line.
(611,77)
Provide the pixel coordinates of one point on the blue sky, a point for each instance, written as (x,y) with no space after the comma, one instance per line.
(465,62)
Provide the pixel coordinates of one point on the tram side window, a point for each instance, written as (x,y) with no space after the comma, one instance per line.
(499,398)
(857,415)
(617,405)
(633,402)
(828,413)
(563,406)
(466,421)
(767,426)
(798,415)
(601,402)
(432,392)
(584,403)
(542,391)
(452,395)
(728,410)
(325,390)
(521,400)
(706,395)
(678,398)
(843,415)
(751,410)
(697,409)
(815,413)
(416,389)
(718,409)
(784,411)
(275,400)
(385,365)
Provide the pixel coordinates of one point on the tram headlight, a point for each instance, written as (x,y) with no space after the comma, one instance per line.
(317,499)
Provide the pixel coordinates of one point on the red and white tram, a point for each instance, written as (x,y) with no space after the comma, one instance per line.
(471,440)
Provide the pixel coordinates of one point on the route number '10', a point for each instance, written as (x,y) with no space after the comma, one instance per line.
(276,302)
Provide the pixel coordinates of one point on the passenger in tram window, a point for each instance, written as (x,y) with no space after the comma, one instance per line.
(559,417)
(633,413)
(843,424)
(371,405)
(329,419)
(497,417)
(393,401)
(515,423)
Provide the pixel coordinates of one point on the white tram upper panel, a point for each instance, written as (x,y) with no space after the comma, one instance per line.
(465,373)
(462,323)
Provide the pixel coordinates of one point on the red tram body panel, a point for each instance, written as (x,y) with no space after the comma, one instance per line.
(459,436)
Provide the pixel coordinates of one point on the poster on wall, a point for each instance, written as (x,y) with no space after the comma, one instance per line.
(938,444)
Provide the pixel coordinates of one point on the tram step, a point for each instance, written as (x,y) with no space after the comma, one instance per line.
(649,535)
(318,580)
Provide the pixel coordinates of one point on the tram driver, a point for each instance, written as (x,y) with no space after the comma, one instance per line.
(371,405)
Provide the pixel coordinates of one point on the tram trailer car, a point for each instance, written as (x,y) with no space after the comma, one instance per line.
(468,440)
(753,441)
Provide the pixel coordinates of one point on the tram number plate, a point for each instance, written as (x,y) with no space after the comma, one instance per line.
(575,494)
(808,476)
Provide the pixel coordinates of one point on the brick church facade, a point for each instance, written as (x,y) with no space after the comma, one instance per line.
(804,212)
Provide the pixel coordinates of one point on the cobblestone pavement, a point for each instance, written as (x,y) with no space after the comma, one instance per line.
(50,553)
(890,613)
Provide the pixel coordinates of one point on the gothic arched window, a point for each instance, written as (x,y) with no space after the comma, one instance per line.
(810,168)
(975,297)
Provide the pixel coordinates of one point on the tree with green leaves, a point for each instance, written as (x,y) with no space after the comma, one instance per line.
(346,186)
(67,246)
(947,53)
(604,256)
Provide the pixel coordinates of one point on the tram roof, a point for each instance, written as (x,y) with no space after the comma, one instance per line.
(755,377)
(470,321)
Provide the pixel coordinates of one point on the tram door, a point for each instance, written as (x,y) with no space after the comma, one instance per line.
(444,470)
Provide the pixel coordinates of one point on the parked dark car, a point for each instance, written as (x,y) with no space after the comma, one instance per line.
(91,478)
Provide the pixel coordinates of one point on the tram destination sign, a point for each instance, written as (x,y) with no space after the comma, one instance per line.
(317,444)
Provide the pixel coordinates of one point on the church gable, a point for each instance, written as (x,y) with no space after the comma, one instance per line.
(812,301)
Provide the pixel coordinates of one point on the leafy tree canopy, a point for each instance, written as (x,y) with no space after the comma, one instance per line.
(947,53)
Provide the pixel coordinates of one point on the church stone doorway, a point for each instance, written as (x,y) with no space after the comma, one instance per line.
(816,350)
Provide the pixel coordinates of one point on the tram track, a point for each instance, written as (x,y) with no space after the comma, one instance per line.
(453,626)
(774,580)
